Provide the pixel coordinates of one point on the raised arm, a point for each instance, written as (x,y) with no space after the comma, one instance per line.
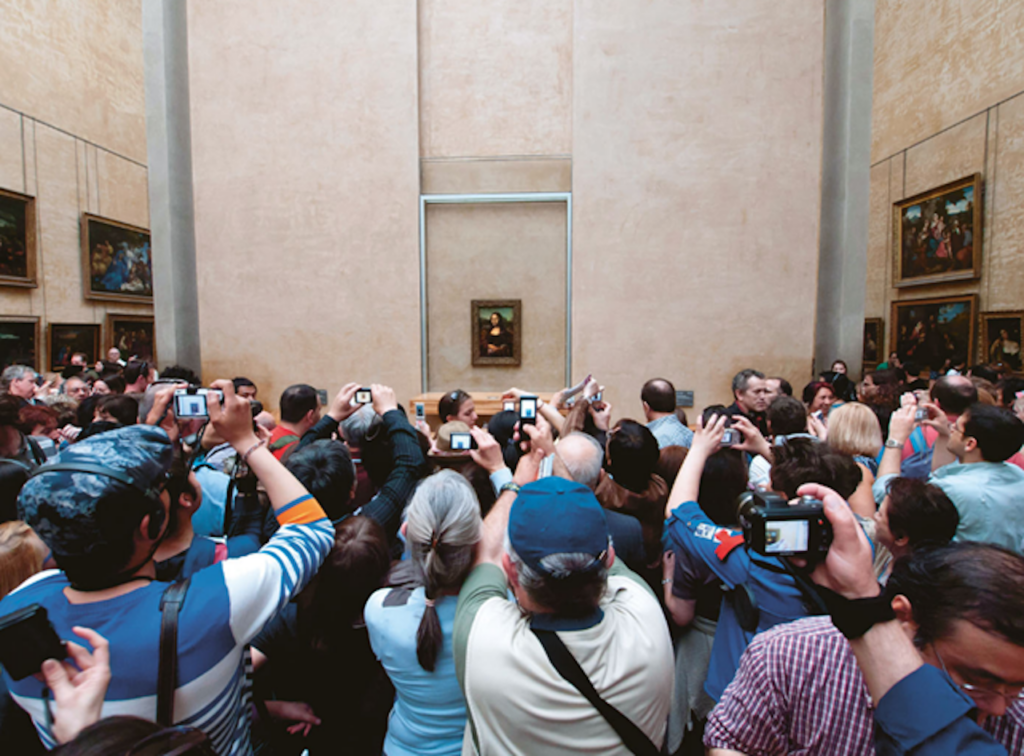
(706,441)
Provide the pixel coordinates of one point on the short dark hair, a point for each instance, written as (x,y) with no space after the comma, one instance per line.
(979,583)
(450,404)
(999,433)
(115,382)
(787,415)
(119,734)
(784,385)
(659,394)
(181,373)
(325,468)
(297,401)
(742,378)
(136,369)
(86,410)
(922,512)
(123,408)
(632,455)
(724,478)
(1009,386)
(806,460)
(711,411)
(954,394)
(983,371)
(240,381)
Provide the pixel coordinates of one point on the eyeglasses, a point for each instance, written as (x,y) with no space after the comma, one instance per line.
(171,741)
(979,693)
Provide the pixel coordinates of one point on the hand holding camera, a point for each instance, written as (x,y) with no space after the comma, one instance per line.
(487,453)
(707,440)
(775,527)
(383,398)
(539,436)
(231,416)
(341,406)
(751,439)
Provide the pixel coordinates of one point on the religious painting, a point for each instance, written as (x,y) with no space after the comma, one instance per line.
(935,333)
(17,239)
(67,339)
(874,343)
(938,234)
(1000,339)
(19,341)
(496,331)
(133,335)
(117,261)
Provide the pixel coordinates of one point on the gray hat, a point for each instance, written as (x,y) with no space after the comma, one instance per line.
(60,504)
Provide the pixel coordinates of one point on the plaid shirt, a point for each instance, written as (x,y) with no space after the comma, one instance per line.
(799,691)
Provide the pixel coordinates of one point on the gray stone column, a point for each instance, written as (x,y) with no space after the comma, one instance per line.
(169,148)
(846,159)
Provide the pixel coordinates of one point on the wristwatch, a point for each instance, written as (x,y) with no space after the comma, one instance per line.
(510,486)
(891,443)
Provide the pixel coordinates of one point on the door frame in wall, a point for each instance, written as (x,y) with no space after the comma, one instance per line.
(469,199)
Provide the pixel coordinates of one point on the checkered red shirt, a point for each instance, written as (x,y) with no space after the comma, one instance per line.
(799,691)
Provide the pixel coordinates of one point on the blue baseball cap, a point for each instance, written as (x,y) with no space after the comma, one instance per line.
(557,516)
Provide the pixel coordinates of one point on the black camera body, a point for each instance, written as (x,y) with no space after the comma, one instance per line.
(774,527)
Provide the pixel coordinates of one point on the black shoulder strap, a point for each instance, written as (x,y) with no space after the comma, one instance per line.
(37,451)
(167,680)
(566,665)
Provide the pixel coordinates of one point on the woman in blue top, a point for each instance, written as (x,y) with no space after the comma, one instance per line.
(411,628)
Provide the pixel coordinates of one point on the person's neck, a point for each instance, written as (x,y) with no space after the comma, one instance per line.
(652,415)
(141,577)
(293,427)
(175,544)
(743,408)
(135,388)
(972,457)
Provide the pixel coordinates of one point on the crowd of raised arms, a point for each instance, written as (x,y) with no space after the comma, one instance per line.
(838,572)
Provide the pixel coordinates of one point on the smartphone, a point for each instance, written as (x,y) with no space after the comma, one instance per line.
(421,411)
(731,436)
(364,396)
(460,441)
(191,402)
(508,406)
(321,395)
(27,639)
(597,397)
(527,410)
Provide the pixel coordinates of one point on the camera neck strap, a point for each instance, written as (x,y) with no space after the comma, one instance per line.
(167,676)
(566,665)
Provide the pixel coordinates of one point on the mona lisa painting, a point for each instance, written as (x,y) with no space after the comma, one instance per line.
(496,331)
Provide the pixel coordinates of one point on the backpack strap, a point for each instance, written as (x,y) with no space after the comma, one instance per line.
(37,451)
(167,677)
(282,442)
(566,665)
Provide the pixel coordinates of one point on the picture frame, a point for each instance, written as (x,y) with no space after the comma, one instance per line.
(932,331)
(64,339)
(496,342)
(19,341)
(874,343)
(117,261)
(17,240)
(938,234)
(134,335)
(1000,339)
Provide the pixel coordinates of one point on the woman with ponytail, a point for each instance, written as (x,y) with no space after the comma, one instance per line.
(411,627)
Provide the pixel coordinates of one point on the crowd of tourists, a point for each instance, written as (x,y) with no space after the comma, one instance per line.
(182,572)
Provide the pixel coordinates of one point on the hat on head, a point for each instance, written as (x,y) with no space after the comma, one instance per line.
(557,516)
(60,505)
(444,434)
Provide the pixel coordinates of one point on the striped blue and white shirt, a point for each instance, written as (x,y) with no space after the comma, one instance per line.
(226,606)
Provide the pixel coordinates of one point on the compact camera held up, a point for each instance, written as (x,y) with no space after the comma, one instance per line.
(773,526)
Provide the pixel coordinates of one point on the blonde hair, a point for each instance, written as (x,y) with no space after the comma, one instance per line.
(21,555)
(853,429)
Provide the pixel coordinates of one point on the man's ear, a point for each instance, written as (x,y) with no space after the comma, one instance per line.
(405,525)
(313,415)
(186,501)
(610,559)
(510,571)
(143,529)
(970,444)
(905,615)
(902,541)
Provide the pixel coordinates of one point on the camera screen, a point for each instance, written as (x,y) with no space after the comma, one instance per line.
(190,405)
(783,536)
(509,406)
(363,396)
(528,407)
(460,441)
(420,410)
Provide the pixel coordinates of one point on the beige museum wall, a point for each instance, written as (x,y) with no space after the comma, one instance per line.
(72,134)
(305,162)
(927,136)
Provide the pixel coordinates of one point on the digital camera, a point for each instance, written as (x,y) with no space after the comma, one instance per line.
(773,526)
(191,402)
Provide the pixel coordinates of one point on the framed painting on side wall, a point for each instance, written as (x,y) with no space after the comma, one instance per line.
(1000,339)
(134,335)
(874,343)
(935,333)
(19,341)
(117,262)
(938,234)
(67,339)
(17,239)
(496,331)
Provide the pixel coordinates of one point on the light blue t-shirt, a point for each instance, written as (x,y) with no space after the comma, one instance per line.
(429,715)
(209,518)
(988,496)
(670,432)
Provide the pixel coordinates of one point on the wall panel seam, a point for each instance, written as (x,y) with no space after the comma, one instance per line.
(24,166)
(39,237)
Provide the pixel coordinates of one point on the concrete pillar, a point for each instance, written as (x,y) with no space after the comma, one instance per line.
(846,158)
(169,147)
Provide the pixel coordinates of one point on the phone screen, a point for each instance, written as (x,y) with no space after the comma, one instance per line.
(528,409)
(460,441)
(421,411)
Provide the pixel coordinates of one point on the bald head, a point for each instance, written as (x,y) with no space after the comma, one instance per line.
(659,398)
(954,394)
(581,458)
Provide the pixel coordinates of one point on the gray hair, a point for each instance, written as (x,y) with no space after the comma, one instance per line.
(742,378)
(356,425)
(14,372)
(443,526)
(582,456)
(574,589)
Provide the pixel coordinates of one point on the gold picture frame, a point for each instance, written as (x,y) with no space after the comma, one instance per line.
(18,258)
(134,335)
(930,331)
(999,337)
(117,261)
(15,331)
(496,332)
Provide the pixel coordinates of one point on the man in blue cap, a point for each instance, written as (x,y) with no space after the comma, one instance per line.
(547,541)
